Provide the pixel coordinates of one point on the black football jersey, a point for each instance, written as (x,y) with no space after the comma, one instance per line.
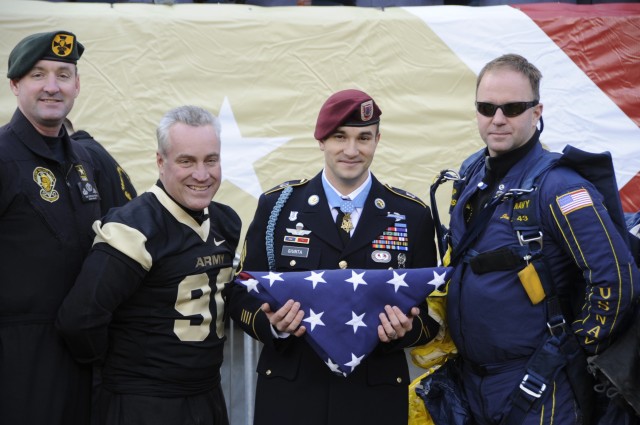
(162,291)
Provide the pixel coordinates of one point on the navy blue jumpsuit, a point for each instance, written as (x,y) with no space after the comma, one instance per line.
(493,322)
(46,212)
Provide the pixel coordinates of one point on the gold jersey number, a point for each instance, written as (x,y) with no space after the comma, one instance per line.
(194,297)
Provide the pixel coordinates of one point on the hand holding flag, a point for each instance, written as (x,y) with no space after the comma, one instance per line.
(342,307)
(287,318)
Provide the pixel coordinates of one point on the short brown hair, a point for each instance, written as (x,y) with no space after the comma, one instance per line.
(515,63)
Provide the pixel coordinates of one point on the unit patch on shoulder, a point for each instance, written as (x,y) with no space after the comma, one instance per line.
(405,194)
(286,184)
(123,186)
(47,181)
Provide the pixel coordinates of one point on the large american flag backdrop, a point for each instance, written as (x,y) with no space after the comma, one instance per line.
(266,71)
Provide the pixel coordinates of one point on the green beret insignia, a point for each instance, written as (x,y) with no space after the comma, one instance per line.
(61,46)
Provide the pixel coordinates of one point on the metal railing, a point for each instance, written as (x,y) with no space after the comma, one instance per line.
(239,374)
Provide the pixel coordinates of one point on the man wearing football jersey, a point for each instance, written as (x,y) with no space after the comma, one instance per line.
(147,303)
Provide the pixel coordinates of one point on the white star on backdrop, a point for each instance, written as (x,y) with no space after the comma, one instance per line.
(356,321)
(398,280)
(356,279)
(240,153)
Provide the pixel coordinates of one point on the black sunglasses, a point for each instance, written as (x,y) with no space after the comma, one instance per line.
(508,109)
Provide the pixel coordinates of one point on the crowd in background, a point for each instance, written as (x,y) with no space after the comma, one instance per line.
(363,3)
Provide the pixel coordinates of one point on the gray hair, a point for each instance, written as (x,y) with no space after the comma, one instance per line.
(188,114)
(515,63)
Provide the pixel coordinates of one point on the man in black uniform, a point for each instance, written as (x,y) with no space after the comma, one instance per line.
(114,184)
(342,218)
(147,302)
(48,202)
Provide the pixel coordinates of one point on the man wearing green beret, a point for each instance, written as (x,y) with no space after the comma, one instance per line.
(48,201)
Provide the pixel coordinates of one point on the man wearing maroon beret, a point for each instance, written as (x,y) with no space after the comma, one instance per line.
(341,218)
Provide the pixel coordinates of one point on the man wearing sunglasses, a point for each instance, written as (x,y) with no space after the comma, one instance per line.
(502,301)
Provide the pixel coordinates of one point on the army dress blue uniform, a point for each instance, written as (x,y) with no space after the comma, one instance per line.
(46,212)
(305,237)
(496,326)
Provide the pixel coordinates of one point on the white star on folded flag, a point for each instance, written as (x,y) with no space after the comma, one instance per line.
(334,367)
(316,278)
(398,280)
(356,321)
(314,319)
(356,279)
(438,280)
(273,277)
(251,284)
(344,318)
(355,361)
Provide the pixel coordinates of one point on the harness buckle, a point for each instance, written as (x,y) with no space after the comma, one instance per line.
(533,386)
(448,175)
(524,240)
(556,326)
(516,193)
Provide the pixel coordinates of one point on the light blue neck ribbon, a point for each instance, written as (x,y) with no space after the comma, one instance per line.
(345,204)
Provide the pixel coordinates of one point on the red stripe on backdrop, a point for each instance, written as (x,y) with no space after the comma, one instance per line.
(630,193)
(604,41)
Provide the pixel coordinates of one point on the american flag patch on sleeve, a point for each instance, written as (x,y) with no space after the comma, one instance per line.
(575,200)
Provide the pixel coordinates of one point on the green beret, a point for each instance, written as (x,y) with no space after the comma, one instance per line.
(59,46)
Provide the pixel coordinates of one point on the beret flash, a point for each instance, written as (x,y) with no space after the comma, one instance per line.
(59,46)
(352,108)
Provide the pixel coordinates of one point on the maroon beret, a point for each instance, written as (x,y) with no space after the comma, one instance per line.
(352,108)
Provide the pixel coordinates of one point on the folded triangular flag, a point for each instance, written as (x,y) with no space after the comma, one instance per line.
(341,306)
